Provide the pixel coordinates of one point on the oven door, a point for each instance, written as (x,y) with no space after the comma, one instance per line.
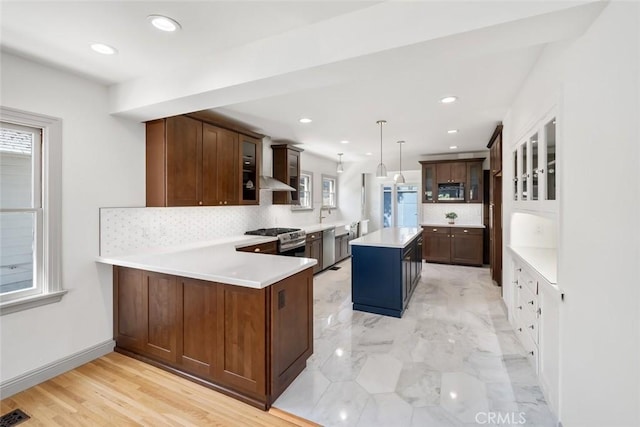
(297,249)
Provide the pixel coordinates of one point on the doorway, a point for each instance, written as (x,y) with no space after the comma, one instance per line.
(400,205)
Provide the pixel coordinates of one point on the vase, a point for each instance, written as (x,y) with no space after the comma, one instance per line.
(451,221)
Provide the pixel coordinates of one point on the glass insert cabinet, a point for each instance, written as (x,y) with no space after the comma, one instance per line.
(534,164)
(452,181)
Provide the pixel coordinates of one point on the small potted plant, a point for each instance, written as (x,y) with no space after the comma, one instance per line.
(451,216)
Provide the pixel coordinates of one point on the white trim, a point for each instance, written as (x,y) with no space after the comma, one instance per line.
(51,205)
(60,366)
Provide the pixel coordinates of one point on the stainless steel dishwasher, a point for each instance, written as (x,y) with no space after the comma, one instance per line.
(328,248)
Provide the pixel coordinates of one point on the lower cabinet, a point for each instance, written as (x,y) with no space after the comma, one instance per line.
(535,316)
(384,278)
(453,245)
(245,342)
(313,249)
(264,248)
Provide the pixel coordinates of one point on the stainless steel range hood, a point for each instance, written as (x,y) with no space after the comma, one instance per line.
(272,184)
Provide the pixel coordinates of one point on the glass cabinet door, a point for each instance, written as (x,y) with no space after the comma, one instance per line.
(474,181)
(551,172)
(294,168)
(429,180)
(524,173)
(250,152)
(515,175)
(535,167)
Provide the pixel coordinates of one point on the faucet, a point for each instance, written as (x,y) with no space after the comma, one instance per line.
(323,217)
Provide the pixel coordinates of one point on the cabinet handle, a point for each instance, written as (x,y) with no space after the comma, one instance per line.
(200,203)
(531,352)
(519,286)
(518,269)
(531,302)
(539,311)
(519,329)
(225,202)
(519,307)
(531,327)
(466,231)
(435,229)
(256,250)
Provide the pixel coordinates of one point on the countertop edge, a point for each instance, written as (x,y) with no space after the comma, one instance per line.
(358,242)
(453,225)
(551,279)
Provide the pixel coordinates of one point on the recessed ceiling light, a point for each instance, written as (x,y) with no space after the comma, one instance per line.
(344,141)
(453,147)
(368,154)
(164,23)
(452,131)
(103,49)
(449,99)
(305,120)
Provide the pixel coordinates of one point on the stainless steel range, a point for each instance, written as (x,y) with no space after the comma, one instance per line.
(291,241)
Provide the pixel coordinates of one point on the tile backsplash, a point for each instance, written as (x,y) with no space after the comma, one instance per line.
(127,230)
(468,213)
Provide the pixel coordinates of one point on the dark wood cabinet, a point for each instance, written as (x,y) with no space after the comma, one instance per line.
(453,245)
(495,204)
(451,172)
(452,181)
(437,244)
(220,177)
(313,249)
(286,168)
(194,163)
(245,342)
(263,248)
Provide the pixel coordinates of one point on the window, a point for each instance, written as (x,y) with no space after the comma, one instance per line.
(329,192)
(305,192)
(30,164)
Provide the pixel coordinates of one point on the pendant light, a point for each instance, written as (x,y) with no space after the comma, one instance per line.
(399,178)
(381,170)
(340,168)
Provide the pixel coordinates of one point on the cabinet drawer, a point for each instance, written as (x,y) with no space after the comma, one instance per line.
(314,236)
(467,231)
(436,230)
(526,279)
(265,248)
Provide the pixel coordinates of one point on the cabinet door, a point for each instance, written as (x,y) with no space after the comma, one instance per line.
(129,308)
(549,322)
(474,182)
(344,243)
(294,176)
(459,172)
(242,328)
(250,161)
(496,155)
(429,185)
(183,161)
(316,252)
(443,173)
(163,315)
(221,182)
(437,244)
(466,246)
(199,327)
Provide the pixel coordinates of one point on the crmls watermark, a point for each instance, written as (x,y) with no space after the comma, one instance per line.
(501,418)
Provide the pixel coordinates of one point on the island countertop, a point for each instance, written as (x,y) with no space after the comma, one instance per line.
(396,237)
(217,262)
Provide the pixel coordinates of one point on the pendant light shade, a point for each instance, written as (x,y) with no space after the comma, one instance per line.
(381,170)
(340,168)
(399,178)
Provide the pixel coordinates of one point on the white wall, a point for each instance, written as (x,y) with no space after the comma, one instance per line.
(103,165)
(594,80)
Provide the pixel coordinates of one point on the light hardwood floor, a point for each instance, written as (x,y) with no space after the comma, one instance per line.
(116,390)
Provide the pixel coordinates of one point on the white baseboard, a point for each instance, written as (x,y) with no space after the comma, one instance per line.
(44,373)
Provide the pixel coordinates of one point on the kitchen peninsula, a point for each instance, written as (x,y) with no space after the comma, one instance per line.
(386,267)
(238,322)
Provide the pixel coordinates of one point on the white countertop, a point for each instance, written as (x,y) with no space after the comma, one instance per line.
(218,262)
(543,260)
(397,237)
(444,224)
(341,227)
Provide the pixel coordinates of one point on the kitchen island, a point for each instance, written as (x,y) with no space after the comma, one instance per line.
(386,267)
(238,322)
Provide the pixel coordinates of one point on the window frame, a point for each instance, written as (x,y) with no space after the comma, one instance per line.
(335,193)
(49,233)
(301,207)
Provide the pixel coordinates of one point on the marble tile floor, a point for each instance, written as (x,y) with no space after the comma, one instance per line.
(452,360)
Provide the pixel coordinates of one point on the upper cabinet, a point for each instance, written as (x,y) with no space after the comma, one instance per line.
(534,164)
(286,168)
(495,150)
(190,162)
(456,181)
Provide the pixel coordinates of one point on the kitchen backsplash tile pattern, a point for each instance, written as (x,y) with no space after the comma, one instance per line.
(127,230)
(468,213)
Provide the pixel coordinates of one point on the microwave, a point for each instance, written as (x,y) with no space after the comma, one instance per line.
(451,192)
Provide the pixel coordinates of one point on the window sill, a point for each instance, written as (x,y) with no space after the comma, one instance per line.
(294,209)
(30,302)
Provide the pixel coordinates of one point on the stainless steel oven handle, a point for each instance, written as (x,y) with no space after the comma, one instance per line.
(292,245)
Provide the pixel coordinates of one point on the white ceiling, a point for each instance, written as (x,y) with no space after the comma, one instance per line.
(345,64)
